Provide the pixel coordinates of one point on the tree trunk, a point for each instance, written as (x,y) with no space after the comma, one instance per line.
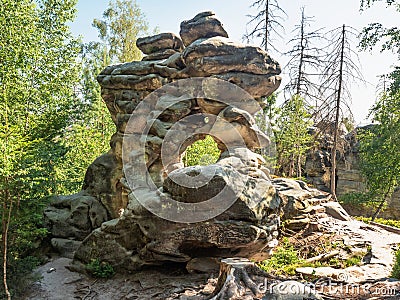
(238,278)
(6,217)
(299,166)
(380,207)
(266,24)
(337,116)
(291,165)
(300,71)
(7,199)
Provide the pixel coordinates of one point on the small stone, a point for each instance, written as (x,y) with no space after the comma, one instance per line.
(159,42)
(203,25)
(203,265)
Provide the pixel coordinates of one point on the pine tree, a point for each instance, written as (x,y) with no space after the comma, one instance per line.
(306,63)
(292,136)
(340,71)
(266,23)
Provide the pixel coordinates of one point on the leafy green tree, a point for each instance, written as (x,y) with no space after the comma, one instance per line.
(379,146)
(122,24)
(38,75)
(292,136)
(376,33)
(88,137)
(380,151)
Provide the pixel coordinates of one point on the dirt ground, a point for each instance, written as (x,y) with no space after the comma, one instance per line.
(58,283)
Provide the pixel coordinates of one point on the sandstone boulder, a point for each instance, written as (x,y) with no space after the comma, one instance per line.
(159,42)
(160,55)
(102,181)
(74,216)
(203,25)
(256,85)
(298,201)
(141,184)
(218,55)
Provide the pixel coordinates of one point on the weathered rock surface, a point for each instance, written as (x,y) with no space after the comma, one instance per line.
(256,85)
(349,176)
(148,94)
(363,282)
(246,228)
(163,54)
(299,202)
(65,247)
(102,181)
(218,55)
(75,216)
(203,25)
(159,42)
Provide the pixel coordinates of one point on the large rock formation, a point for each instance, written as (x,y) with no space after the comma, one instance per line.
(140,206)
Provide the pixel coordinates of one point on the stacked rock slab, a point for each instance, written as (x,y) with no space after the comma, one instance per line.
(136,237)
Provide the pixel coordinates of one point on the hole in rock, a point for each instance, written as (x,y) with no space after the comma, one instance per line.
(203,152)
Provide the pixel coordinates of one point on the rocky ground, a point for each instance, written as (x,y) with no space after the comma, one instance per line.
(370,280)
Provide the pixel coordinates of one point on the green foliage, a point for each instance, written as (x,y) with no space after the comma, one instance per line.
(353,260)
(91,132)
(122,23)
(292,136)
(380,149)
(389,222)
(100,269)
(203,152)
(376,33)
(20,274)
(360,199)
(396,266)
(379,146)
(38,75)
(284,260)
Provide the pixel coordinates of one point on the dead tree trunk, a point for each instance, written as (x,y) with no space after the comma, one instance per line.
(337,116)
(266,24)
(301,59)
(238,278)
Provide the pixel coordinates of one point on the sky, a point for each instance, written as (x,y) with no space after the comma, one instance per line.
(328,14)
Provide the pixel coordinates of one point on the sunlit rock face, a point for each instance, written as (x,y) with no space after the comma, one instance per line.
(348,171)
(185,88)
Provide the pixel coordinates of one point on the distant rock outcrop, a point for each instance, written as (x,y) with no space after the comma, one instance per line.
(349,176)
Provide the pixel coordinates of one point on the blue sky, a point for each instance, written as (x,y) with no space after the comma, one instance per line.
(167,15)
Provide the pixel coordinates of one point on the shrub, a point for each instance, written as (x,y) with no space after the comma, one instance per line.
(396,267)
(100,269)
